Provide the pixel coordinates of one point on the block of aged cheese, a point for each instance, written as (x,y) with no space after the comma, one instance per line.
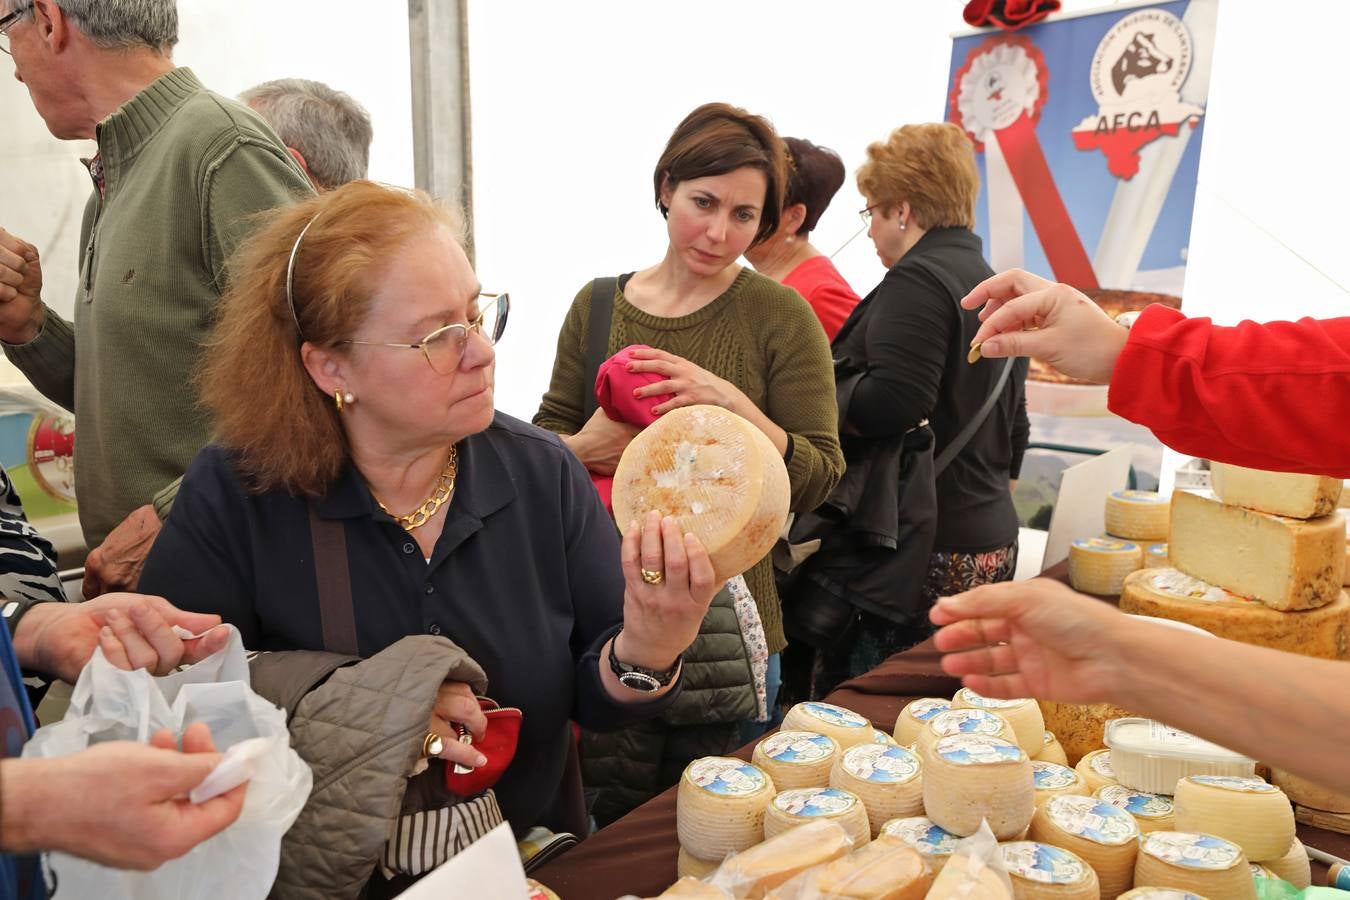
(887,779)
(1200,863)
(802,805)
(717,474)
(1285,563)
(1100,565)
(1137,515)
(934,843)
(1281,493)
(1102,835)
(1247,811)
(1096,770)
(720,806)
(886,869)
(844,725)
(915,716)
(796,759)
(1052,780)
(755,872)
(1080,727)
(1169,594)
(688,866)
(1041,871)
(1051,751)
(1152,812)
(1023,715)
(1306,793)
(963,721)
(972,777)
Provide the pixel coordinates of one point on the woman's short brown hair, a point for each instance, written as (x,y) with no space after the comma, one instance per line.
(718,138)
(932,166)
(815,175)
(285,432)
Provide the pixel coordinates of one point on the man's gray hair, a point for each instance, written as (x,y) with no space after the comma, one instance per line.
(330,129)
(119,24)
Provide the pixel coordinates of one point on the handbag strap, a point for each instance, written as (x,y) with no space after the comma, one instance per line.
(337,616)
(597,339)
(959,442)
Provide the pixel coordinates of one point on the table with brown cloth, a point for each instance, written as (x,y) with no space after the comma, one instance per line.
(637,854)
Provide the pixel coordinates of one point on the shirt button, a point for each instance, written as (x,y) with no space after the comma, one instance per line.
(410,548)
(434,629)
(428,588)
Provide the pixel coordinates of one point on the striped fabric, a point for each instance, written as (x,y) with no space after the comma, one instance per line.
(27,559)
(423,840)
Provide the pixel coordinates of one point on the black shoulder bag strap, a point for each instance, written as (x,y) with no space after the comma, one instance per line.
(959,442)
(597,340)
(337,616)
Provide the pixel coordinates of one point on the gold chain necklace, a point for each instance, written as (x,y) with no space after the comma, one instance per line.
(445,486)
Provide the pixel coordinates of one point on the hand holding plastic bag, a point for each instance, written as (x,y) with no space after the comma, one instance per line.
(239,863)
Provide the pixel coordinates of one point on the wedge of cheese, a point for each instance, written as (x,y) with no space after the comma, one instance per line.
(886,869)
(1285,563)
(757,871)
(1280,493)
(717,474)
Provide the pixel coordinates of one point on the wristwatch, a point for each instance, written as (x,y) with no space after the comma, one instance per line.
(636,678)
(12,610)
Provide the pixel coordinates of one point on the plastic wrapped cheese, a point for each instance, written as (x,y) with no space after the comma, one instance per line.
(844,725)
(969,778)
(802,805)
(934,843)
(888,780)
(915,716)
(887,869)
(1104,836)
(796,759)
(1200,863)
(720,806)
(1042,872)
(1023,715)
(1247,811)
(717,474)
(756,872)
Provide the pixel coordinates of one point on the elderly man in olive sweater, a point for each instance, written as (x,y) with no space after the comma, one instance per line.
(179,176)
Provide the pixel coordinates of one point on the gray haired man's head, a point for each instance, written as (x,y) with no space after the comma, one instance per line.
(121,24)
(328,130)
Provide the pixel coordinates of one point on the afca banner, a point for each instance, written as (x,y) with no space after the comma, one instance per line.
(1088,131)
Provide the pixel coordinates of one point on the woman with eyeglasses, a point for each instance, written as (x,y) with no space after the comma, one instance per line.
(351,380)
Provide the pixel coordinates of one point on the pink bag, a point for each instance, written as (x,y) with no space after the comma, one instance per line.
(614,386)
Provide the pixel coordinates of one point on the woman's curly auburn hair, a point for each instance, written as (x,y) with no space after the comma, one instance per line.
(283,431)
(932,166)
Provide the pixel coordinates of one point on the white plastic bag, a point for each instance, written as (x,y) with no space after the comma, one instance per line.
(110,704)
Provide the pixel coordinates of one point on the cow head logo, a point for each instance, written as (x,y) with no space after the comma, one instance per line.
(1142,57)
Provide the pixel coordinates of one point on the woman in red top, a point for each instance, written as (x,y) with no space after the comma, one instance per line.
(814,176)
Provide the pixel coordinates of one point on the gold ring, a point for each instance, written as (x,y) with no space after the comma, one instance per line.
(432,745)
(653,577)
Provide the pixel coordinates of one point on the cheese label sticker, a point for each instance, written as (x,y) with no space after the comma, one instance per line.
(815,802)
(977,750)
(726,777)
(1052,776)
(797,747)
(1149,497)
(1101,764)
(1093,820)
(1260,871)
(881,764)
(1235,783)
(1179,586)
(1106,544)
(1049,738)
(1193,851)
(975,699)
(1034,861)
(836,715)
(967,721)
(1137,803)
(921,834)
(923,710)
(881,737)
(1156,551)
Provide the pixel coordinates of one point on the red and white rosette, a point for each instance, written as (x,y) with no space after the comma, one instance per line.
(997,96)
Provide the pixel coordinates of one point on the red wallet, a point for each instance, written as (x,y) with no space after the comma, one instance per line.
(498,744)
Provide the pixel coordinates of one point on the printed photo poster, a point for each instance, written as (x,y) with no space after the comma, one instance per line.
(1087,130)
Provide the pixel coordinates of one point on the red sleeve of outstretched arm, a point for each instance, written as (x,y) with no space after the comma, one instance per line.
(1273,396)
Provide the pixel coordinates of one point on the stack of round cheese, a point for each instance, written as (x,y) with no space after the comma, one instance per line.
(1051,751)
(1155,556)
(1101,834)
(720,807)
(934,843)
(1041,871)
(1152,812)
(796,759)
(1023,715)
(802,805)
(717,474)
(915,716)
(962,721)
(845,726)
(762,868)
(1137,515)
(969,778)
(1247,811)
(1096,770)
(1101,565)
(1306,793)
(888,780)
(1293,867)
(1080,727)
(1201,863)
(1053,780)
(887,869)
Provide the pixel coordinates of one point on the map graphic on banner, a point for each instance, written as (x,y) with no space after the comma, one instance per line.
(1088,130)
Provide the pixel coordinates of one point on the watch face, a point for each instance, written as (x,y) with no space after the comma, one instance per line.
(638,681)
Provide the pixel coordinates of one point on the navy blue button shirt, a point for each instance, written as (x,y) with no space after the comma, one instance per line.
(525,577)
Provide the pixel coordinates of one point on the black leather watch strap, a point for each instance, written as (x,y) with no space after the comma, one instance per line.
(13,610)
(638,678)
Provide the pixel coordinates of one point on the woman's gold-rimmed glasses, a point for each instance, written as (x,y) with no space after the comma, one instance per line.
(444,347)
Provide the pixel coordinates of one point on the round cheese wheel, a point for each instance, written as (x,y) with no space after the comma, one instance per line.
(1104,836)
(969,778)
(802,805)
(796,759)
(888,780)
(717,474)
(1152,812)
(1159,893)
(1041,871)
(1138,515)
(844,725)
(687,866)
(1169,594)
(1096,771)
(1247,811)
(1201,863)
(1293,867)
(1080,727)
(887,869)
(962,721)
(1305,793)
(1100,565)
(720,806)
(934,843)
(1051,751)
(757,871)
(1155,556)
(1053,780)
(915,716)
(1023,715)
